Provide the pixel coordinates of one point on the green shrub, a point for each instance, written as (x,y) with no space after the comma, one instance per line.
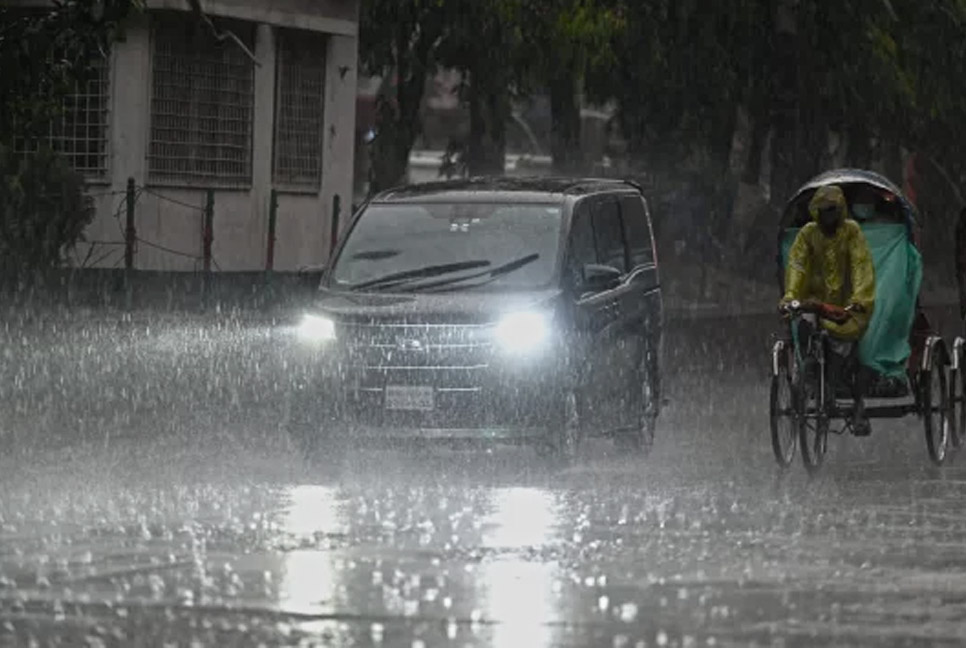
(43,212)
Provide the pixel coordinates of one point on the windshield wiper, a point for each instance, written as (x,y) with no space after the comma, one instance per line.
(490,275)
(397,278)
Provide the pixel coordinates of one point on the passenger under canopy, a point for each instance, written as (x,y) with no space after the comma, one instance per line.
(885,347)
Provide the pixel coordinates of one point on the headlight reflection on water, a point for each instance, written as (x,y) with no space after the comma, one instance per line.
(521,603)
(508,600)
(310,580)
(519,594)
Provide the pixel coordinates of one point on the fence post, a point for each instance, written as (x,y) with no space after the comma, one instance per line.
(272,217)
(209,233)
(130,234)
(334,234)
(130,240)
(208,236)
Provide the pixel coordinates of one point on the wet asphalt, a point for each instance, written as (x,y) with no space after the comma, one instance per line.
(148,498)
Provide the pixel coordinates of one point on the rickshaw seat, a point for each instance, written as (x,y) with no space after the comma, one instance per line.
(885,346)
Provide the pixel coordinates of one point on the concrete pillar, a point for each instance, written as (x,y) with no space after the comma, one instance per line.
(339,137)
(130,118)
(128,130)
(263,137)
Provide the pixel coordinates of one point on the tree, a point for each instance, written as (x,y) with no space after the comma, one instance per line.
(52,51)
(482,42)
(399,41)
(508,49)
(562,42)
(47,54)
(43,212)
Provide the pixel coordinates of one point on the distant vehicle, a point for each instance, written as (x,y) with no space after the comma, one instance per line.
(487,310)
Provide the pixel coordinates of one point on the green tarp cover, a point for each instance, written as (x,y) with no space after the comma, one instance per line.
(898,275)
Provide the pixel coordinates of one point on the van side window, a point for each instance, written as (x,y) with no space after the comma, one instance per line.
(581,247)
(609,234)
(637,230)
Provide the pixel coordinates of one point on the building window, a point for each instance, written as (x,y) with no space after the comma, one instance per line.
(299,109)
(202,105)
(79,130)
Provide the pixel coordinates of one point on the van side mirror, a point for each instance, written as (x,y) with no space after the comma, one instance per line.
(600,277)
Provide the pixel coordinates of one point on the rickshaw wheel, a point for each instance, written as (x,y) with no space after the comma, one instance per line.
(783,416)
(813,429)
(957,404)
(934,404)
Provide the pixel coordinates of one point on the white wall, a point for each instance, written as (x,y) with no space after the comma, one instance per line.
(339,141)
(172,217)
(329,16)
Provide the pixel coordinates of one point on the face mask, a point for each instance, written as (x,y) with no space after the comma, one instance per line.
(863,211)
(828,221)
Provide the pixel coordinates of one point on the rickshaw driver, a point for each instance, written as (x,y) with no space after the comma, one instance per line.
(829,262)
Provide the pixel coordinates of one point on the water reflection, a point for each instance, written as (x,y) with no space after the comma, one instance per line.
(309,582)
(309,578)
(518,594)
(521,602)
(521,518)
(509,599)
(312,511)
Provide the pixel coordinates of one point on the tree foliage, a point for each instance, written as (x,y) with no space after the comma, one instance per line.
(798,85)
(43,211)
(52,51)
(399,41)
(482,42)
(563,42)
(43,208)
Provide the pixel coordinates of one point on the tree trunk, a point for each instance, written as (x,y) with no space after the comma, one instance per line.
(489,111)
(394,140)
(751,174)
(398,122)
(859,151)
(786,101)
(565,131)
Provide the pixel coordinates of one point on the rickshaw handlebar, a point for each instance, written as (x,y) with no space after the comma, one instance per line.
(829,312)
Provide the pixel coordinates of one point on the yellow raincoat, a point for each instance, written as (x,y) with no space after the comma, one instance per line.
(835,270)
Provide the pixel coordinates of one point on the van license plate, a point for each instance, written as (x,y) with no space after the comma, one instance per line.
(410,398)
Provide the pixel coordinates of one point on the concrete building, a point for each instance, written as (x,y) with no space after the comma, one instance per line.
(183,112)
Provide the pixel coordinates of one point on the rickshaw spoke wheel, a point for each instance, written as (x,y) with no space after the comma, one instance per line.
(814,442)
(957,406)
(813,428)
(934,401)
(783,417)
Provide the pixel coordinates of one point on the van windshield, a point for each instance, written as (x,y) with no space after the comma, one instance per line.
(451,246)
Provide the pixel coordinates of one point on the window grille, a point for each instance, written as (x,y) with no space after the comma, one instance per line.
(202,105)
(79,130)
(299,109)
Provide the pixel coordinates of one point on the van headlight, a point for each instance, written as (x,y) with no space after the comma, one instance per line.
(315,328)
(524,331)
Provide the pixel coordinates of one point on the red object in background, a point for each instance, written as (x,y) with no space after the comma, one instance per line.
(910,178)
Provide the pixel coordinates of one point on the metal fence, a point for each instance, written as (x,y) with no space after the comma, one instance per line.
(202,105)
(300,109)
(80,130)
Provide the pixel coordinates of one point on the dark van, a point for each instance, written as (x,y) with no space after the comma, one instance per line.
(487,310)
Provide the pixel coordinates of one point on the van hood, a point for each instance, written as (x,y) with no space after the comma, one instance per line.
(464,307)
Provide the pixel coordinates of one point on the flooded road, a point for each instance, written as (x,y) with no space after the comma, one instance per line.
(178,515)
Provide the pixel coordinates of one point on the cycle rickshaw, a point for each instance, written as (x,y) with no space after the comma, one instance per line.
(957,389)
(908,361)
